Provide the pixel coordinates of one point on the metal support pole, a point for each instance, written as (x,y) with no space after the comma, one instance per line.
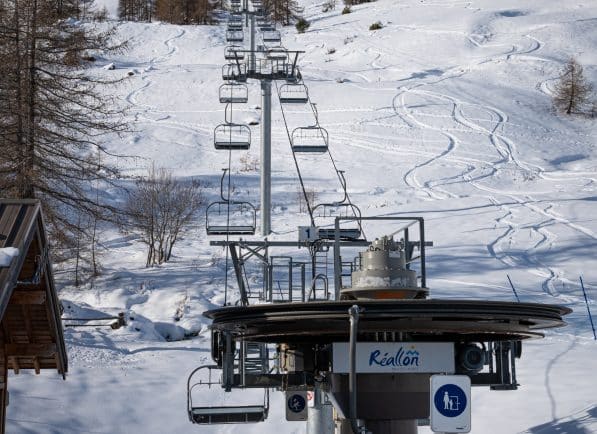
(353,312)
(337,261)
(252,53)
(245,10)
(266,156)
(321,415)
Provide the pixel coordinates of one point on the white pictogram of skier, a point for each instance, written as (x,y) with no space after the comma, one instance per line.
(447,401)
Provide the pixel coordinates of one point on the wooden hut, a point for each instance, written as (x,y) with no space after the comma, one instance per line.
(31,334)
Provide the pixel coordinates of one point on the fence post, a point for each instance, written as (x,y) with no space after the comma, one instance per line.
(582,285)
(513,289)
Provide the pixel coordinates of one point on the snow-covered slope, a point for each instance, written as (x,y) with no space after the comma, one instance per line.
(444,113)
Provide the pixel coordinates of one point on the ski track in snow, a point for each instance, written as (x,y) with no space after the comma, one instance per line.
(540,238)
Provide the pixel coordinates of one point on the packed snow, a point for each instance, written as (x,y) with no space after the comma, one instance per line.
(443,113)
(7,254)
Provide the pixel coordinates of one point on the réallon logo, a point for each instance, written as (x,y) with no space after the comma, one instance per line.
(400,358)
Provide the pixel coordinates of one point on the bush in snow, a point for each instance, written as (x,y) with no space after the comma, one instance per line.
(328,6)
(160,208)
(346,10)
(376,26)
(302,25)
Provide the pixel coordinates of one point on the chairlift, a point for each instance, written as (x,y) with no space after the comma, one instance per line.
(234,93)
(236,16)
(232,136)
(309,139)
(271,36)
(234,36)
(294,93)
(234,26)
(230,218)
(267,27)
(234,52)
(210,414)
(277,53)
(338,209)
(235,2)
(234,71)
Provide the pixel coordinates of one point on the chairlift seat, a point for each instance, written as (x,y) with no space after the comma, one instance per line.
(234,71)
(230,230)
(233,93)
(294,94)
(239,218)
(234,36)
(277,53)
(234,52)
(312,139)
(219,415)
(346,234)
(230,136)
(271,36)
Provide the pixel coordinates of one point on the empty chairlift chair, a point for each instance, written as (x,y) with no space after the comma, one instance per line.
(329,211)
(234,52)
(309,139)
(213,414)
(236,16)
(231,136)
(234,36)
(234,26)
(271,36)
(234,93)
(230,218)
(234,71)
(294,93)
(277,53)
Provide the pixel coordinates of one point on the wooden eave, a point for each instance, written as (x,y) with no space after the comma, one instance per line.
(31,334)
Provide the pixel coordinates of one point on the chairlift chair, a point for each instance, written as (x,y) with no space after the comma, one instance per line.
(338,209)
(234,93)
(294,93)
(271,36)
(234,26)
(231,136)
(234,36)
(309,139)
(277,53)
(234,52)
(230,218)
(210,414)
(234,71)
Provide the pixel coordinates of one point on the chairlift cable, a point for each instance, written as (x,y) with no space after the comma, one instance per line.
(340,177)
(298,170)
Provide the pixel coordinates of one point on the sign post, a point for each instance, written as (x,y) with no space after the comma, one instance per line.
(450,403)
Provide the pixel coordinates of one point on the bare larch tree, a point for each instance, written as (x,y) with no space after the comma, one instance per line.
(572,91)
(53,118)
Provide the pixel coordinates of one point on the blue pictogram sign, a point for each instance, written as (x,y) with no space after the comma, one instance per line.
(296,403)
(450,400)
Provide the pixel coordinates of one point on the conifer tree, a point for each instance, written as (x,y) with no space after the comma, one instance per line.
(572,91)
